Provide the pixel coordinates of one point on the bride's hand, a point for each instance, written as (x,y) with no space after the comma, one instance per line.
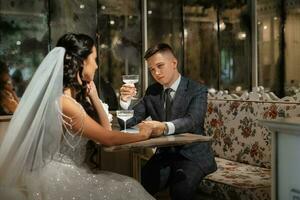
(145,129)
(92,90)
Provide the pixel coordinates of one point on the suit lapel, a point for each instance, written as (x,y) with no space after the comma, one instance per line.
(158,99)
(180,96)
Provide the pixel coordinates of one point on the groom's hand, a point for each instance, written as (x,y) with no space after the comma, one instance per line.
(157,127)
(145,129)
(127,91)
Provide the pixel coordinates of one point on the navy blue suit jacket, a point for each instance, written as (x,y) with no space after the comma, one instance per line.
(188,112)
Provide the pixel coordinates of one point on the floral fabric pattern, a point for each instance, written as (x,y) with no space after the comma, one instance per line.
(237,181)
(242,147)
(237,133)
(219,191)
(240,175)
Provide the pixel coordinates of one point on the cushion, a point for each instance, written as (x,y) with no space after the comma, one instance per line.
(235,180)
(237,133)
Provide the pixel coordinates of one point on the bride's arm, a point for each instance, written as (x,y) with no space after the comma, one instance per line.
(95,131)
(94,97)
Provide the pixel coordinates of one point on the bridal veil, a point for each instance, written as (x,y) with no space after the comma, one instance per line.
(35,130)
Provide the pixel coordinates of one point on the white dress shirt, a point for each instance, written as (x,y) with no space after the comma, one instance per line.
(174,87)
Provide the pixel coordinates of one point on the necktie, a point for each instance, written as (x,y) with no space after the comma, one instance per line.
(168,104)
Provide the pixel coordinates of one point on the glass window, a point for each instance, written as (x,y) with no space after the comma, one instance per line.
(270,64)
(120,41)
(164,20)
(217,43)
(72,16)
(24,38)
(201,55)
(212,40)
(234,27)
(292,47)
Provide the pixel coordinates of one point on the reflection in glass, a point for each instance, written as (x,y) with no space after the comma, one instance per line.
(72,16)
(201,44)
(120,41)
(8,98)
(217,43)
(24,40)
(269,42)
(235,46)
(292,48)
(278,45)
(164,19)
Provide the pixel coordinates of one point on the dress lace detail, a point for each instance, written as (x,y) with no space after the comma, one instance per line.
(67,177)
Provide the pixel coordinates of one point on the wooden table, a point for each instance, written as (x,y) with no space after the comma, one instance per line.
(163,141)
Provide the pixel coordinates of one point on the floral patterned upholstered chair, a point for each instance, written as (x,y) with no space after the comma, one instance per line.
(242,146)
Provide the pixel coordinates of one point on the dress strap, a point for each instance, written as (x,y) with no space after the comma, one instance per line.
(70,134)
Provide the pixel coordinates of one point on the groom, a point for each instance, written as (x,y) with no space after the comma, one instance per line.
(176,105)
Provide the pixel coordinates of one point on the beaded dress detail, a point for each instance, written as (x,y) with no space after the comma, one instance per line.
(67,177)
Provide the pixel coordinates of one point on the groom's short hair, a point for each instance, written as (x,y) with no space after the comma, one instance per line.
(159,48)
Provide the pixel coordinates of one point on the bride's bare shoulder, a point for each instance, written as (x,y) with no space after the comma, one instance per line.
(70,106)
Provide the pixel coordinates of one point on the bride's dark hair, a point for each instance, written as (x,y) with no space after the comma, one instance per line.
(78,47)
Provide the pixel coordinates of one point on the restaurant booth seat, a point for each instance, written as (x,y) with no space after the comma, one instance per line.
(241,144)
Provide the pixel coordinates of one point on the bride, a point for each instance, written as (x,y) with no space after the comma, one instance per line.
(42,155)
